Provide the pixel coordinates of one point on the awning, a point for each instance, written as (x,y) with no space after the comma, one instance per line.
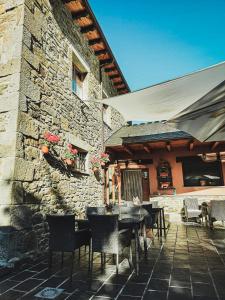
(194,103)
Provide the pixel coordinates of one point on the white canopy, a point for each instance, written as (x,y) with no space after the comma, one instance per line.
(194,103)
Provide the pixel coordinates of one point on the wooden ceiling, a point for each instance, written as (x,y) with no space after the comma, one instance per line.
(146,150)
(83,16)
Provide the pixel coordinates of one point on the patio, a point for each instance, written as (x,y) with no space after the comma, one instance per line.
(188,264)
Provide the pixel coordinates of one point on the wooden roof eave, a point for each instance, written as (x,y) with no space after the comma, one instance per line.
(97,40)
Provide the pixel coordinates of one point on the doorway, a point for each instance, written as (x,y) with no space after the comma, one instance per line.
(135,185)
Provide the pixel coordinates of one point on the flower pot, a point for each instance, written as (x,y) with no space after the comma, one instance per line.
(44,149)
(69,162)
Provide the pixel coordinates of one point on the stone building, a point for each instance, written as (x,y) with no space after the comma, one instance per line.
(54,59)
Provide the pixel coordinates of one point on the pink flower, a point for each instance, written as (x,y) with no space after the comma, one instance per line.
(51,138)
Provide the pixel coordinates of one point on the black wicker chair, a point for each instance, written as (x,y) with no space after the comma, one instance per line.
(108,239)
(95,210)
(64,238)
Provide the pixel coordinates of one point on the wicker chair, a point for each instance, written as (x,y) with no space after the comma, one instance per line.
(95,210)
(107,238)
(64,238)
(216,211)
(191,208)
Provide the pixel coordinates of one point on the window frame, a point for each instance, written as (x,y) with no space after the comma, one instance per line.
(79,66)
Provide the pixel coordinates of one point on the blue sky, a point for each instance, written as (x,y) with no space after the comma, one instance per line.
(154,41)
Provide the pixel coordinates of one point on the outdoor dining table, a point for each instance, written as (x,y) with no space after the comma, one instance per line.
(134,223)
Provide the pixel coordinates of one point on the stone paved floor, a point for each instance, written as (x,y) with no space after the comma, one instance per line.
(188,264)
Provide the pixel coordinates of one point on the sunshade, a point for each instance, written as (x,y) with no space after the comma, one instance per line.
(194,103)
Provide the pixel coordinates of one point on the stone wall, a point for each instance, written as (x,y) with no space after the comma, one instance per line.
(11,30)
(45,102)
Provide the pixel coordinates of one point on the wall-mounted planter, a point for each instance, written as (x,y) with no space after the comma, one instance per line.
(69,162)
(44,149)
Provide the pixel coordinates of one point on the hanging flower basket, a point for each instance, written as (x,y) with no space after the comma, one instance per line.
(69,161)
(49,139)
(104,158)
(96,164)
(70,155)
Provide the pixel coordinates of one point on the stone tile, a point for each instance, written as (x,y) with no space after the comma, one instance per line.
(23,275)
(6,285)
(200,277)
(28,284)
(109,290)
(155,295)
(141,278)
(158,284)
(200,289)
(133,289)
(12,295)
(178,293)
(53,281)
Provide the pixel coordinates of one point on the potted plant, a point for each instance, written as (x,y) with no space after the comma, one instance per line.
(70,155)
(95,162)
(49,139)
(104,158)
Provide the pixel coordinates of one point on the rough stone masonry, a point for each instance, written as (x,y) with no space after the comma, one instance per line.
(37,40)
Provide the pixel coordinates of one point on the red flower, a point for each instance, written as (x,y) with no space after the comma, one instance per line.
(51,138)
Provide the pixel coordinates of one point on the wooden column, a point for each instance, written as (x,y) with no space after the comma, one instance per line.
(107,185)
(113,185)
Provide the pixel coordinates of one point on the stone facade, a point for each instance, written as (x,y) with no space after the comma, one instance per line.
(37,43)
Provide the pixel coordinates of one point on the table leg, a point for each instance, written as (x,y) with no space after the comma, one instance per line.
(145,240)
(160,222)
(164,224)
(136,250)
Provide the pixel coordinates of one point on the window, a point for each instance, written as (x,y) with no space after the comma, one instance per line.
(78,82)
(197,172)
(81,161)
(79,72)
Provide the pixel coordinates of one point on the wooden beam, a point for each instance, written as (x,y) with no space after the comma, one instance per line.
(100,52)
(88,28)
(168,146)
(115,76)
(118,83)
(147,148)
(127,149)
(191,145)
(214,145)
(94,41)
(79,14)
(121,89)
(106,61)
(108,70)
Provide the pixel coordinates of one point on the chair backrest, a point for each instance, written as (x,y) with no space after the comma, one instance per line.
(130,211)
(147,207)
(218,209)
(95,210)
(62,232)
(104,230)
(191,203)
